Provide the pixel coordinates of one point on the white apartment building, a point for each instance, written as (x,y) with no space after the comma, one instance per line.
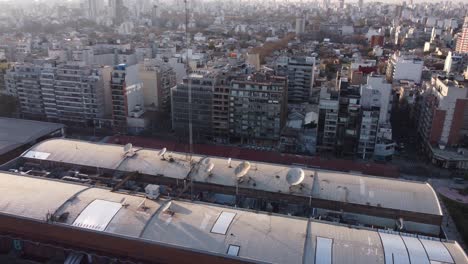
(378,83)
(300,25)
(328,119)
(455,62)
(404,67)
(375,131)
(127,99)
(158,78)
(23,47)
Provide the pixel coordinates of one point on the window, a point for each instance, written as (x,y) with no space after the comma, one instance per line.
(323,250)
(222,223)
(233,250)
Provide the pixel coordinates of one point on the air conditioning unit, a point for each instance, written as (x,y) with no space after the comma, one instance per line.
(152,191)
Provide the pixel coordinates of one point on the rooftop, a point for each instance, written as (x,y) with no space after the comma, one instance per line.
(335,186)
(15,133)
(215,229)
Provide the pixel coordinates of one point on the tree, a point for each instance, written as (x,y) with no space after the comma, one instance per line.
(211,45)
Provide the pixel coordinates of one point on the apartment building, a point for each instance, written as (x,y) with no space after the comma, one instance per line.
(328,119)
(375,135)
(23,47)
(443,122)
(370,111)
(258,108)
(300,72)
(455,62)
(443,106)
(404,67)
(68,93)
(462,41)
(22,80)
(349,118)
(221,94)
(229,105)
(359,69)
(127,99)
(201,84)
(158,78)
(355,120)
(73,93)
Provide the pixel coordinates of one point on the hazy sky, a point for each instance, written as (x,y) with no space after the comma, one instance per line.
(350,1)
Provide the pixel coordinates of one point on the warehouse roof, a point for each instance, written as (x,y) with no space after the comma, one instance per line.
(207,228)
(335,186)
(15,133)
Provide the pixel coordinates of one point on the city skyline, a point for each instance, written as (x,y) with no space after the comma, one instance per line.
(209,131)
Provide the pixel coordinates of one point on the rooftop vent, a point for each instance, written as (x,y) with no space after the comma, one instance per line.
(152,191)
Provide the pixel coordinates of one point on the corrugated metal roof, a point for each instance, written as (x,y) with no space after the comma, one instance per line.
(416,250)
(97,215)
(335,186)
(437,251)
(17,132)
(350,245)
(395,249)
(261,237)
(33,197)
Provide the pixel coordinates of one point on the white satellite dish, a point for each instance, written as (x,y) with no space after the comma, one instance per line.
(166,207)
(128,147)
(205,161)
(242,169)
(295,176)
(209,168)
(400,223)
(162,152)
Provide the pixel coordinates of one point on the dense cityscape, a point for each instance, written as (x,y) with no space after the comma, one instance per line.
(221,131)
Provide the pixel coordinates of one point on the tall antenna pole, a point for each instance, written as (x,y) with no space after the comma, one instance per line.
(187,43)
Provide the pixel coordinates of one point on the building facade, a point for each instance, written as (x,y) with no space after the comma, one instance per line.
(455,62)
(355,120)
(158,78)
(404,67)
(198,88)
(258,107)
(22,81)
(443,122)
(127,99)
(328,119)
(300,72)
(462,42)
(69,93)
(73,93)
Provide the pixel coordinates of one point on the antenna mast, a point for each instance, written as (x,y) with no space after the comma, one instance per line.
(189,83)
(187,43)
